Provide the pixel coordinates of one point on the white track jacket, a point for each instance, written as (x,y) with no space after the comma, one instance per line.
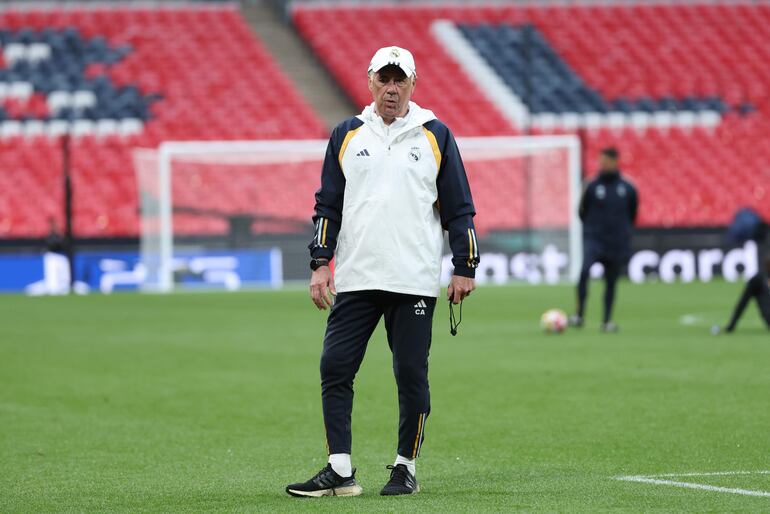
(387,193)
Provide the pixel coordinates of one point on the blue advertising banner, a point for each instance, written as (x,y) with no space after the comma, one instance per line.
(109,271)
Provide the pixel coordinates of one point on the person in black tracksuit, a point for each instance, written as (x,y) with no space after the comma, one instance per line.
(608,211)
(747,225)
(757,288)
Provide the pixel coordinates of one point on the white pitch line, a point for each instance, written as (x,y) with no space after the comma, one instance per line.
(702,487)
(690,319)
(711,474)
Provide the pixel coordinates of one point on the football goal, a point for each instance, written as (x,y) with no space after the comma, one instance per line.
(235,213)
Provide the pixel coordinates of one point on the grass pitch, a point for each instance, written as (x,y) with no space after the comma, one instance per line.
(211,402)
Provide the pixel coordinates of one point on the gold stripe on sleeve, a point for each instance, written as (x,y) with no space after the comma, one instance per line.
(344,146)
(471,252)
(434,146)
(323,237)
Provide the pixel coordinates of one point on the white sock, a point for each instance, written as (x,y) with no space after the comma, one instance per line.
(409,463)
(341,464)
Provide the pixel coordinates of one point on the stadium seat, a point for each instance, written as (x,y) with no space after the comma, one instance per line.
(121,77)
(680,89)
(685,87)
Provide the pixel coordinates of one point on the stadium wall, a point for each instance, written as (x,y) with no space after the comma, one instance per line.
(273,261)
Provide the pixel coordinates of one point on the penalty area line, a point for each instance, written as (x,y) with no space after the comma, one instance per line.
(703,487)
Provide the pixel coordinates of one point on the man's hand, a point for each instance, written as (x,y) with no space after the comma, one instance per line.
(459,288)
(322,287)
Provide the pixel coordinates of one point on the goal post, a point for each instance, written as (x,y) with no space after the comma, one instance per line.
(224,165)
(544,175)
(209,199)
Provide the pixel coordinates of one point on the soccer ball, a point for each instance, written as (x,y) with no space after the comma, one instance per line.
(553,321)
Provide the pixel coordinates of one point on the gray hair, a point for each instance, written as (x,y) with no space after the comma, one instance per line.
(413,76)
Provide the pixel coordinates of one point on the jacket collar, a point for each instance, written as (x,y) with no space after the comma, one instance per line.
(610,176)
(416,116)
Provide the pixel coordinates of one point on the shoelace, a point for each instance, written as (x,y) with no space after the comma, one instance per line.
(399,474)
(327,471)
(454,322)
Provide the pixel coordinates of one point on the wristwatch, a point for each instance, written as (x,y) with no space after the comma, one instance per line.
(317,263)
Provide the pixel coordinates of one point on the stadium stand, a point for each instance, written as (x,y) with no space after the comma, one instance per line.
(559,89)
(683,89)
(118,78)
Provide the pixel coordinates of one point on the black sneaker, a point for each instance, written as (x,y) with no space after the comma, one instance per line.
(401,482)
(575,321)
(326,483)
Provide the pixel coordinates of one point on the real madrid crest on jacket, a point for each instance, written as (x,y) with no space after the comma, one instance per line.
(608,211)
(408,173)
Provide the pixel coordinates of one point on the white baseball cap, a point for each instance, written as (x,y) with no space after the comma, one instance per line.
(398,56)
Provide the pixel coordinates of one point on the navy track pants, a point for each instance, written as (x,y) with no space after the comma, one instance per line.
(353,318)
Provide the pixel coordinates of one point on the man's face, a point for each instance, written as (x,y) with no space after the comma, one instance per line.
(607,164)
(392,90)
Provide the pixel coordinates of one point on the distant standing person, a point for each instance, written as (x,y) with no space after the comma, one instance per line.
(608,211)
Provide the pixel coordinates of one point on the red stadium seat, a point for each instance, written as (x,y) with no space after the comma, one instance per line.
(685,178)
(216,79)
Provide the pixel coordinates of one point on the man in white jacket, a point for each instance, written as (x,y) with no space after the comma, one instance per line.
(392,182)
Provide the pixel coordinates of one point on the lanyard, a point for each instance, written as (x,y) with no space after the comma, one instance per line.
(454,322)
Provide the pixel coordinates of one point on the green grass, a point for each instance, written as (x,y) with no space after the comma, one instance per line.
(211,402)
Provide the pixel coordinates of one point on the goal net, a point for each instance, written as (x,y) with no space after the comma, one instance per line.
(234,214)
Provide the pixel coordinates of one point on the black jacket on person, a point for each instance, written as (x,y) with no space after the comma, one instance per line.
(608,212)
